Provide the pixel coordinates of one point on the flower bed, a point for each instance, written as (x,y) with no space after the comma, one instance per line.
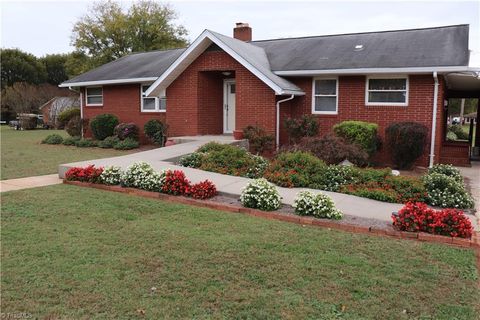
(141,175)
(416,217)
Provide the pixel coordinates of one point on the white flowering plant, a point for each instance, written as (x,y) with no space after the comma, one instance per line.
(141,175)
(335,177)
(448,170)
(446,192)
(111,175)
(317,205)
(260,194)
(258,167)
(192,160)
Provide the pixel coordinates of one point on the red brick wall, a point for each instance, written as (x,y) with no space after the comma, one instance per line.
(351,106)
(195,98)
(124,102)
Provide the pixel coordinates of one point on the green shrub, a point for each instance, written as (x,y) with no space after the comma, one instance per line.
(66,115)
(305,126)
(232,160)
(259,194)
(126,130)
(446,192)
(108,142)
(74,126)
(70,141)
(192,160)
(259,141)
(156,131)
(457,129)
(296,169)
(85,143)
(371,191)
(53,139)
(372,175)
(406,142)
(407,188)
(361,133)
(127,144)
(332,149)
(319,205)
(451,136)
(103,125)
(448,170)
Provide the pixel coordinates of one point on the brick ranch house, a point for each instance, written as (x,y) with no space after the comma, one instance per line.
(219,84)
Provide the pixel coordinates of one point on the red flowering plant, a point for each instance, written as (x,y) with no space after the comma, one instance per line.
(203,190)
(416,217)
(87,174)
(176,183)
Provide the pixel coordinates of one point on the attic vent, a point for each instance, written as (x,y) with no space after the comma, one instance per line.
(358,47)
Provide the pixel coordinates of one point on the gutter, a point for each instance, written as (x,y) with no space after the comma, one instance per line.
(277,130)
(434,119)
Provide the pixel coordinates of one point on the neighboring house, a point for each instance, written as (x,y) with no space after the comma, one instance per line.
(53,107)
(220,84)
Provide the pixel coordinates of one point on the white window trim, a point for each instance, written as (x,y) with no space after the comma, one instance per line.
(393,104)
(157,101)
(94,95)
(336,96)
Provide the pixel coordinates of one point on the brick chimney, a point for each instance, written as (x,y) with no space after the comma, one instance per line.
(242,31)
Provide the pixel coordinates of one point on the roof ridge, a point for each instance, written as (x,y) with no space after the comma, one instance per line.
(156,50)
(356,33)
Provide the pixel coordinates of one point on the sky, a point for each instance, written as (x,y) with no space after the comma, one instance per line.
(44,27)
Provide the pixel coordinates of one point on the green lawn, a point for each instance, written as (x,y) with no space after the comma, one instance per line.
(77,253)
(23,155)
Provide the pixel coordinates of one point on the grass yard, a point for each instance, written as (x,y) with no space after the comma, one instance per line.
(75,253)
(23,155)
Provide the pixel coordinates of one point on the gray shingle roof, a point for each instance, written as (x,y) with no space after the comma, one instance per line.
(430,47)
(441,46)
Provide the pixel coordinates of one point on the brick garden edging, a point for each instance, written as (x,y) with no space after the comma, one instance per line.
(474,242)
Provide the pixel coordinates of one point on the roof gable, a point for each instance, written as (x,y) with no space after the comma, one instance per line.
(251,57)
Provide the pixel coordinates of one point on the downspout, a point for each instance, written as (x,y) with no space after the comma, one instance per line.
(277,133)
(434,118)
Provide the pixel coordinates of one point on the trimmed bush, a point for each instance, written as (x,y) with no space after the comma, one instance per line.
(87,174)
(318,205)
(212,146)
(417,217)
(203,190)
(141,175)
(451,136)
(53,139)
(406,142)
(85,143)
(175,183)
(74,126)
(305,126)
(70,141)
(296,169)
(444,191)
(457,129)
(126,130)
(192,160)
(108,142)
(361,133)
(332,150)
(66,115)
(259,141)
(127,144)
(111,175)
(260,194)
(448,170)
(156,131)
(103,125)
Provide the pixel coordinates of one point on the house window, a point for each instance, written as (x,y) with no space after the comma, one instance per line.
(387,91)
(325,96)
(94,96)
(153,104)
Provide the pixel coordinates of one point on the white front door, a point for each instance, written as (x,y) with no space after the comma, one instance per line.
(229,106)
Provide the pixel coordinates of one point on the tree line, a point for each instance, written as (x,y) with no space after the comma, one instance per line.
(106,33)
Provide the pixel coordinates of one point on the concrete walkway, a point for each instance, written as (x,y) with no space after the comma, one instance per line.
(472,178)
(29,182)
(164,158)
